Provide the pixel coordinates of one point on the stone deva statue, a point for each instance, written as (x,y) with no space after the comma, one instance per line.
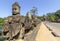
(12,28)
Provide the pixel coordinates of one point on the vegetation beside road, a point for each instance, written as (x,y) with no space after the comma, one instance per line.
(53,17)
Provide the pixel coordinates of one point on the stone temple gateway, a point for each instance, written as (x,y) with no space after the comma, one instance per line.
(17,26)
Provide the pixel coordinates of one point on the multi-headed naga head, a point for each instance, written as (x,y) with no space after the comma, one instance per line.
(15,8)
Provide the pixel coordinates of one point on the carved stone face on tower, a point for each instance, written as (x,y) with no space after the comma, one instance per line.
(15,9)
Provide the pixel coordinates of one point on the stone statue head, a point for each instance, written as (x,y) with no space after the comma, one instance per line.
(29,15)
(15,8)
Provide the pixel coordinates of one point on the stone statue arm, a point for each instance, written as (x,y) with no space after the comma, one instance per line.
(6,24)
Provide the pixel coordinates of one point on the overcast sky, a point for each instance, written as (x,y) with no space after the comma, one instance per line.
(44,6)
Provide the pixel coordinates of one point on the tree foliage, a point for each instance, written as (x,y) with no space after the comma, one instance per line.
(34,11)
(55,16)
(51,16)
(1,21)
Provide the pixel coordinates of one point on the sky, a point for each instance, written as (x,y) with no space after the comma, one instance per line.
(43,6)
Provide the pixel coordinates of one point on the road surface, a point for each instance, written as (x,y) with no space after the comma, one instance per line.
(55,27)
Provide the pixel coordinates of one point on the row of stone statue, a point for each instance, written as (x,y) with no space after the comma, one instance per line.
(16,26)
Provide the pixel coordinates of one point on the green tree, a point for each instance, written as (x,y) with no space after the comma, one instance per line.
(51,16)
(57,13)
(34,11)
(1,21)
